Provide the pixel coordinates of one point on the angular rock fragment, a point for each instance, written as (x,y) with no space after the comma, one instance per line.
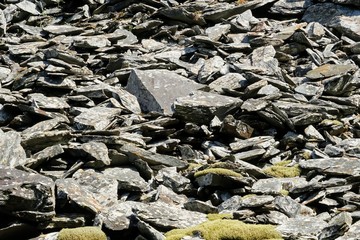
(128,178)
(334,166)
(302,227)
(343,19)
(157,90)
(12,153)
(71,190)
(27,196)
(169,217)
(97,118)
(201,107)
(151,158)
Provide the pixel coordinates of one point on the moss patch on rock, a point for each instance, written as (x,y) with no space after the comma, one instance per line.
(280,170)
(226,230)
(219,171)
(82,233)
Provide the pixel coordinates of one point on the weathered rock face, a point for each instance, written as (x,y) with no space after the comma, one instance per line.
(27,196)
(156,90)
(139,117)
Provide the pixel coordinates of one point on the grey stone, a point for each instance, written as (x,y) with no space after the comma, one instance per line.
(92,42)
(27,196)
(128,178)
(149,232)
(217,31)
(308,90)
(168,217)
(276,185)
(200,206)
(201,107)
(47,103)
(263,57)
(211,68)
(63,29)
(343,19)
(12,153)
(328,70)
(290,7)
(338,225)
(291,208)
(44,155)
(353,232)
(151,158)
(236,128)
(156,90)
(302,227)
(103,188)
(97,118)
(334,166)
(174,180)
(232,81)
(71,190)
(28,6)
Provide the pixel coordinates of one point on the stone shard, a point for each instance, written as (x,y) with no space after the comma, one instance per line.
(27,196)
(96,118)
(302,227)
(151,158)
(71,190)
(342,18)
(334,166)
(12,153)
(168,217)
(156,90)
(202,107)
(128,178)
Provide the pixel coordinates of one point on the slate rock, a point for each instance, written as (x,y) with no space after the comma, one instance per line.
(12,153)
(288,7)
(128,178)
(151,158)
(328,70)
(103,188)
(338,225)
(343,19)
(169,217)
(27,196)
(236,128)
(96,118)
(70,190)
(202,107)
(334,166)
(302,227)
(156,90)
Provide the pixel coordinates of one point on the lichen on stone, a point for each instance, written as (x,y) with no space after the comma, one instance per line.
(225,229)
(219,171)
(82,233)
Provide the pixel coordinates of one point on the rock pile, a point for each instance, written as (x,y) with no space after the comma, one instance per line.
(141,117)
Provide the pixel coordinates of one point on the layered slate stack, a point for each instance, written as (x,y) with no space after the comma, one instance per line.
(139,117)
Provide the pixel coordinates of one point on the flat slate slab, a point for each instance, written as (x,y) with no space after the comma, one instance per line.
(156,90)
(202,107)
(334,166)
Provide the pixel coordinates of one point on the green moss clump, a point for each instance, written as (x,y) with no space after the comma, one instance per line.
(217,216)
(227,230)
(280,170)
(284,192)
(219,171)
(82,233)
